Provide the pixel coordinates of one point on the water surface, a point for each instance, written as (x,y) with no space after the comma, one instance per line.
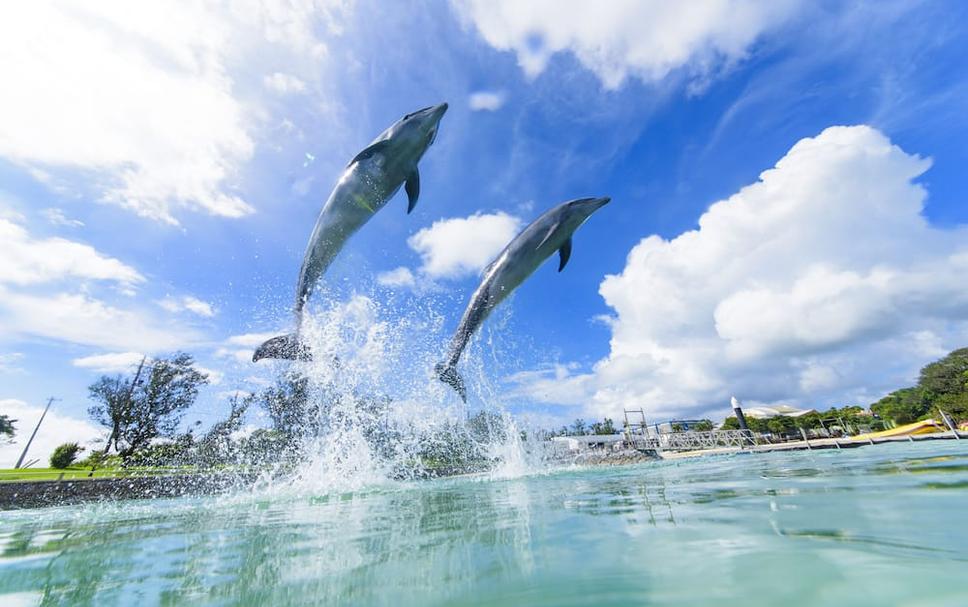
(878,525)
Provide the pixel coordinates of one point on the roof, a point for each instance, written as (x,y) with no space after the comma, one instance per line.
(775,410)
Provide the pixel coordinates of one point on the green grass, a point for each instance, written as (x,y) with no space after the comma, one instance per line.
(84,473)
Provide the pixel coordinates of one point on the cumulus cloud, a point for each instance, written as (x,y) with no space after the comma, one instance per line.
(81,319)
(25,260)
(138,93)
(555,383)
(58,218)
(821,283)
(490,101)
(112,362)
(57,428)
(452,248)
(398,277)
(646,39)
(140,99)
(9,362)
(284,83)
(241,347)
(188,303)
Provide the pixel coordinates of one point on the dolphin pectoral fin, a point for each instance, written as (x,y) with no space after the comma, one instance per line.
(284,347)
(551,231)
(452,378)
(370,150)
(413,189)
(564,254)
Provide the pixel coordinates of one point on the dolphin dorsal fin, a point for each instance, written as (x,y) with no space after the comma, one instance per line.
(369,150)
(564,253)
(413,189)
(551,231)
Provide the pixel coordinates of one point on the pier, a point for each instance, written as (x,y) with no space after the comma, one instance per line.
(677,445)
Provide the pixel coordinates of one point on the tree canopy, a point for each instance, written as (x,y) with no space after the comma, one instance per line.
(148,405)
(7,428)
(942,385)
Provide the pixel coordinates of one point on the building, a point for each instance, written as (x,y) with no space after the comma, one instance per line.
(775,410)
(585,442)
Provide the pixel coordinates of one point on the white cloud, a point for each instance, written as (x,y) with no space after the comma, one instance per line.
(554,384)
(26,260)
(81,319)
(138,100)
(284,83)
(8,362)
(241,347)
(398,277)
(56,429)
(646,39)
(822,283)
(215,376)
(451,248)
(239,355)
(56,217)
(251,340)
(489,101)
(112,362)
(188,304)
(136,92)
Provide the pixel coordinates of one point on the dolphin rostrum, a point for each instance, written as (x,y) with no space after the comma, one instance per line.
(368,182)
(520,258)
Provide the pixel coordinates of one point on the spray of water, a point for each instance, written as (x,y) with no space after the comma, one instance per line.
(379,416)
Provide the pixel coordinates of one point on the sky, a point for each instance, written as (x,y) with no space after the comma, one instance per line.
(788,216)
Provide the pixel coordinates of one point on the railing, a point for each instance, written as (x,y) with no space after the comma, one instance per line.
(713,439)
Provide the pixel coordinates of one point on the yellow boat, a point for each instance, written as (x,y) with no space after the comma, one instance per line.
(927,426)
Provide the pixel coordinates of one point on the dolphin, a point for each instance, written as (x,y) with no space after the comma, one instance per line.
(369,181)
(520,258)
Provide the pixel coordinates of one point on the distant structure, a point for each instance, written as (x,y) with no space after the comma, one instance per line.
(776,410)
(738,412)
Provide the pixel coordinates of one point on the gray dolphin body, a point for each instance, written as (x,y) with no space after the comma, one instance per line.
(520,258)
(367,184)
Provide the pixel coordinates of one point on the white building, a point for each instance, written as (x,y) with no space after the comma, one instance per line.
(588,441)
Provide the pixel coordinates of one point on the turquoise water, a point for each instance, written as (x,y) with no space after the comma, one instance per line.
(881,525)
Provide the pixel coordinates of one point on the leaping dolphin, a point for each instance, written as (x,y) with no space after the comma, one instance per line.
(549,233)
(368,182)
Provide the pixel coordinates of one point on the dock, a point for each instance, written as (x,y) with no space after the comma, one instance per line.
(806,445)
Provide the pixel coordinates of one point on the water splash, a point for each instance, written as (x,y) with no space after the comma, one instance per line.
(377,415)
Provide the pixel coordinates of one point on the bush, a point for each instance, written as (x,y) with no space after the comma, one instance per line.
(64,455)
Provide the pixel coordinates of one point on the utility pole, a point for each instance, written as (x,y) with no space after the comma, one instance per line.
(36,428)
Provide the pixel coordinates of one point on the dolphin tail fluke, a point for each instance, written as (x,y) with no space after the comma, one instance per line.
(450,376)
(283,347)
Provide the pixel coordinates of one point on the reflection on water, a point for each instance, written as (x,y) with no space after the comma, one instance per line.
(866,526)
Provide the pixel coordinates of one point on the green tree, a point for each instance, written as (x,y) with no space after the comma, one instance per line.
(606,426)
(7,428)
(902,406)
(781,424)
(148,405)
(289,407)
(955,405)
(578,427)
(64,455)
(946,376)
(704,425)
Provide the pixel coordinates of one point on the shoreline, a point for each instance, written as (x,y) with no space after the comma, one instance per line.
(25,495)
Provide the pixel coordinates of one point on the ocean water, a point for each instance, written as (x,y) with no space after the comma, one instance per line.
(882,525)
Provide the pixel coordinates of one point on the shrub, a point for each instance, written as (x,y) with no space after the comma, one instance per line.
(64,455)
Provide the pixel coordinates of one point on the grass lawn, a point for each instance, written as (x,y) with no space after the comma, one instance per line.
(81,473)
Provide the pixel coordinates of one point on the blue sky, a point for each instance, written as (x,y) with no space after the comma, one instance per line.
(160,173)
